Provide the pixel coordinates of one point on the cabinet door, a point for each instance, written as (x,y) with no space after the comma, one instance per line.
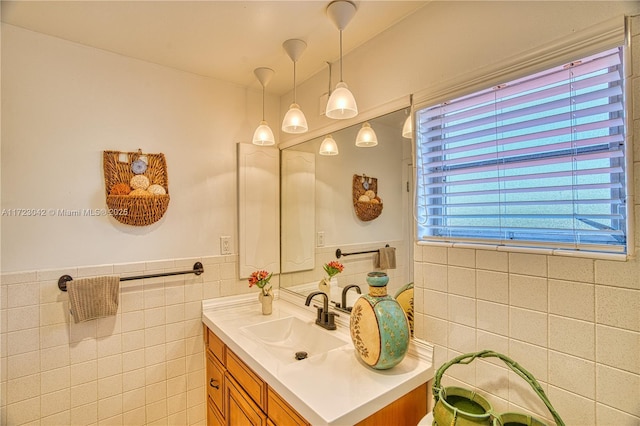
(281,413)
(213,416)
(241,410)
(215,383)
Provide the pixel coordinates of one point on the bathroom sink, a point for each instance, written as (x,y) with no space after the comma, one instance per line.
(292,339)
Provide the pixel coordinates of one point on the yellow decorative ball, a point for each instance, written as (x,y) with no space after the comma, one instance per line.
(369,193)
(156,189)
(139,192)
(364,199)
(139,182)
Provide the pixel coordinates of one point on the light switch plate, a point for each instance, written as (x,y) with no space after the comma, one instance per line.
(320,239)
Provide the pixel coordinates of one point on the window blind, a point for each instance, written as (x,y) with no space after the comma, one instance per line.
(538,161)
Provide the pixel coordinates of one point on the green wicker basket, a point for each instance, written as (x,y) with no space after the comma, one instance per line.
(462,407)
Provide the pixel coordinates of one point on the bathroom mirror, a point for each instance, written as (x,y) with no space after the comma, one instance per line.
(318,215)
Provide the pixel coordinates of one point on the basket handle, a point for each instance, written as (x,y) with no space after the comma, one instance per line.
(517,368)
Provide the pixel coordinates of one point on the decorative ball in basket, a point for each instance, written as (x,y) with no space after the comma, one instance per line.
(366,201)
(455,406)
(378,325)
(137,186)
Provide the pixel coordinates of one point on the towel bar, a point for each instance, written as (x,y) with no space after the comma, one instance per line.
(339,252)
(197,269)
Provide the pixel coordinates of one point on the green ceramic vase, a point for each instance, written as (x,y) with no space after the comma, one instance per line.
(379,327)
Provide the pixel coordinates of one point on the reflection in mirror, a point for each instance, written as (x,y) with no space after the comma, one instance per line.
(319,216)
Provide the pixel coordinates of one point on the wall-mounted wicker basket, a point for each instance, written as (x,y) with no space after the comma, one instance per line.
(130,209)
(365,210)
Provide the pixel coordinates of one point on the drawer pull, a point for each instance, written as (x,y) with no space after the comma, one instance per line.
(211,383)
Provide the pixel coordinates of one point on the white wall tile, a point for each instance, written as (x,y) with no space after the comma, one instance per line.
(434,254)
(492,378)
(618,389)
(492,260)
(522,398)
(493,317)
(22,388)
(84,372)
(85,414)
(572,374)
(134,379)
(23,318)
(528,292)
(571,268)
(435,276)
(531,357)
(461,257)
(528,326)
(528,264)
(109,386)
(109,407)
(23,294)
(618,348)
(54,357)
(606,415)
(24,412)
(461,281)
(462,338)
(133,399)
(617,274)
(462,310)
(573,409)
(572,337)
(55,380)
(54,402)
(25,364)
(22,341)
(109,365)
(571,299)
(435,330)
(435,304)
(618,307)
(492,286)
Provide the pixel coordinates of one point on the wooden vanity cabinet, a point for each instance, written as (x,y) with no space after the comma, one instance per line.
(236,395)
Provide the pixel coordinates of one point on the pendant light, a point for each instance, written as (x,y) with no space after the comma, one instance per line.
(341,104)
(407,128)
(328,146)
(263,134)
(366,137)
(294,120)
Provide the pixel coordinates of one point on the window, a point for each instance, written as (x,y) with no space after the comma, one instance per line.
(537,162)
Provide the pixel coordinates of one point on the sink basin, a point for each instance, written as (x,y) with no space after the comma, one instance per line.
(285,337)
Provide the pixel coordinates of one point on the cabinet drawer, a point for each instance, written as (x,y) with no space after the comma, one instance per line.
(282,413)
(215,345)
(250,381)
(215,382)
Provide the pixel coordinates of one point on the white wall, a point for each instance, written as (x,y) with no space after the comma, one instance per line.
(63,104)
(574,323)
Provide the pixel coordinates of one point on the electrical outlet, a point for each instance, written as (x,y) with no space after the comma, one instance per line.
(320,239)
(225,245)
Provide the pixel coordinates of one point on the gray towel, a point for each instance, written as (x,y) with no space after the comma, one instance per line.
(91,298)
(386,258)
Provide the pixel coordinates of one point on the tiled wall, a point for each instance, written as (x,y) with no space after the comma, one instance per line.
(574,323)
(144,366)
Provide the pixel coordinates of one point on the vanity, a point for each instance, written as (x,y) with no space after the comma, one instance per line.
(283,369)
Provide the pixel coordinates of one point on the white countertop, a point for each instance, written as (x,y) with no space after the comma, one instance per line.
(335,388)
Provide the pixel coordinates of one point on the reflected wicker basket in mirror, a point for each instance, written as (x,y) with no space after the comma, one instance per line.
(366,201)
(137,186)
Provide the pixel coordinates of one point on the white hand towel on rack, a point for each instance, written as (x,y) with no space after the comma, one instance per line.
(91,298)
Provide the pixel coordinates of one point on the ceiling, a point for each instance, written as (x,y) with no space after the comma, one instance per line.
(225,40)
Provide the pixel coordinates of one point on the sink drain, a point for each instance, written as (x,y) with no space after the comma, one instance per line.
(301,355)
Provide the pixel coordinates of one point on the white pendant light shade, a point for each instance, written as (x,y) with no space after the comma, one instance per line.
(329,146)
(294,120)
(341,103)
(366,137)
(263,135)
(407,129)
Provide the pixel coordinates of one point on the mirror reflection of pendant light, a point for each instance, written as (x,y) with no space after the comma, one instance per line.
(329,146)
(294,120)
(341,102)
(407,129)
(366,137)
(263,134)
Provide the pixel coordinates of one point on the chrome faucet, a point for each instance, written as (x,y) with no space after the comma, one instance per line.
(344,295)
(325,318)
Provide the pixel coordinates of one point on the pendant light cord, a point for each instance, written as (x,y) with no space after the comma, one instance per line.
(294,82)
(263,102)
(340,56)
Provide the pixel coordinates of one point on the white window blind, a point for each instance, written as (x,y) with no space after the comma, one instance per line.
(534,162)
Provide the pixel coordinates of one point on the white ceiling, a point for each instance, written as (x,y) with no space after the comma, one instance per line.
(225,40)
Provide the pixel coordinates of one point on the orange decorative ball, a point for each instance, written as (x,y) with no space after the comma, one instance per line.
(120,189)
